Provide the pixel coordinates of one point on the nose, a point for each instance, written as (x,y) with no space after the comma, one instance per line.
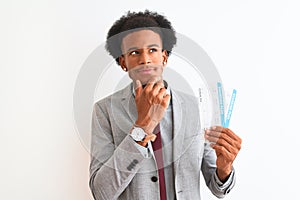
(144,58)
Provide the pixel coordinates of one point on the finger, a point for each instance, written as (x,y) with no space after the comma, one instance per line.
(160,95)
(217,128)
(138,88)
(166,100)
(157,88)
(232,135)
(211,135)
(152,137)
(152,82)
(211,139)
(230,148)
(160,81)
(148,138)
(228,132)
(221,150)
(214,136)
(229,140)
(235,142)
(222,139)
(154,79)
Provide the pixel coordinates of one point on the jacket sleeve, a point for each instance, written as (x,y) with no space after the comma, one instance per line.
(112,166)
(208,168)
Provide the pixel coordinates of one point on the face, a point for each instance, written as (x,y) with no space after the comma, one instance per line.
(143,56)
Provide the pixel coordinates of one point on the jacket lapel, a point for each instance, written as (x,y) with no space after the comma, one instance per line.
(178,128)
(128,103)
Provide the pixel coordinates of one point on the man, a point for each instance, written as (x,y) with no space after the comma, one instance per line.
(128,125)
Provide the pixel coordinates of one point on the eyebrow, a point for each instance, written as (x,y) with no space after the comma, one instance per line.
(149,46)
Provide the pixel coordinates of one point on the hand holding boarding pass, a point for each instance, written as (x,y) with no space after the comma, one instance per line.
(223,140)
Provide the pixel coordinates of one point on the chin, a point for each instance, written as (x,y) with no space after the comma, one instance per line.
(145,78)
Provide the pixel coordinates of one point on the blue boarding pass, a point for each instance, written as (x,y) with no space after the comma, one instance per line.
(230,108)
(221,103)
(225,121)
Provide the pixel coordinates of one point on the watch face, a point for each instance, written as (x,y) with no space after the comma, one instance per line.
(138,134)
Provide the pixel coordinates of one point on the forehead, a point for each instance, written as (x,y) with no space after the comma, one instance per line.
(141,39)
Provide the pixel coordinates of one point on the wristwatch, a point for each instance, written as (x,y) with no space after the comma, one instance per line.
(137,134)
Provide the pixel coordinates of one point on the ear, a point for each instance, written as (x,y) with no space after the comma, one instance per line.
(165,57)
(122,63)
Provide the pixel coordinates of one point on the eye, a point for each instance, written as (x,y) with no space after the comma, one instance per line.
(153,50)
(133,52)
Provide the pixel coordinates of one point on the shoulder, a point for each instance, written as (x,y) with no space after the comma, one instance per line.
(116,97)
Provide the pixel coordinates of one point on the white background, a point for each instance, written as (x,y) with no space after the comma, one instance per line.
(254,44)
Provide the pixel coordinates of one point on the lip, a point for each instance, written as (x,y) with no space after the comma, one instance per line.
(145,71)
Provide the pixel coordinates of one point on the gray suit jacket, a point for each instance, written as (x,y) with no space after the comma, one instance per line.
(118,170)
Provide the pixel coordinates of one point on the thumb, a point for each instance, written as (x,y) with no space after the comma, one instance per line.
(138,88)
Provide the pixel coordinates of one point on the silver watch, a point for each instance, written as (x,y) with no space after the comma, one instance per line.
(137,134)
